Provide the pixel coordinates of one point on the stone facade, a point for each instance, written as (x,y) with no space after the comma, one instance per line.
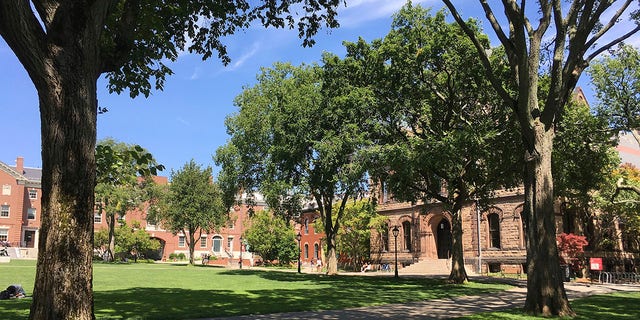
(493,237)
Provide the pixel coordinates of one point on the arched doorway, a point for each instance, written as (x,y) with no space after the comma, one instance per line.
(443,242)
(156,254)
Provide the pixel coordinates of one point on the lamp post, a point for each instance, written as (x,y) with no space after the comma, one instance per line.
(395,231)
(299,237)
(241,245)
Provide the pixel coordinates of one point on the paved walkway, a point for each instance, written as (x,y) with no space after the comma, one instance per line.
(444,308)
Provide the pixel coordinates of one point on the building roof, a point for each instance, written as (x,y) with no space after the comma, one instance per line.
(29,176)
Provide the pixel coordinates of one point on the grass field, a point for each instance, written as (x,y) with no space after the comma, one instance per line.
(617,306)
(165,291)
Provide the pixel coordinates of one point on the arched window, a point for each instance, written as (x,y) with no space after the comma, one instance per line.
(384,238)
(406,231)
(316,251)
(306,251)
(494,230)
(306,226)
(523,221)
(217,244)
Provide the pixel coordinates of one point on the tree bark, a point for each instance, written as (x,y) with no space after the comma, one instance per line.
(63,287)
(332,260)
(458,272)
(546,295)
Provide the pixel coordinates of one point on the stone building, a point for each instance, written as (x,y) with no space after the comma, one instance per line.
(493,238)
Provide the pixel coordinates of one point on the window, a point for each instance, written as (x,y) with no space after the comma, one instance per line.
(4,211)
(232,225)
(181,241)
(306,251)
(406,231)
(33,194)
(97,216)
(4,234)
(217,244)
(6,189)
(494,230)
(316,250)
(203,241)
(384,238)
(230,243)
(31,213)
(306,226)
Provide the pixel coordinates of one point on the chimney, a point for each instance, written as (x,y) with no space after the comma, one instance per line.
(20,165)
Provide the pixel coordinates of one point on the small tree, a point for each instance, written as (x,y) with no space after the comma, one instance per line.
(571,250)
(193,204)
(354,237)
(119,187)
(134,241)
(271,238)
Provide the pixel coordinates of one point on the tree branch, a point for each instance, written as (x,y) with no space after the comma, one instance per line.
(481,50)
(620,186)
(20,28)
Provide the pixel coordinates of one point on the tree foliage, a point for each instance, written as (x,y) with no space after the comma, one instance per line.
(271,238)
(123,173)
(439,121)
(297,136)
(354,237)
(577,31)
(65,46)
(616,80)
(193,205)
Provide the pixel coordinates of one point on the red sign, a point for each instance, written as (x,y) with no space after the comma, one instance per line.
(596,264)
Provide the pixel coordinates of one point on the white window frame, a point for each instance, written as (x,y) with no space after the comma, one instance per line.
(203,241)
(230,244)
(97,217)
(33,194)
(6,189)
(31,213)
(217,239)
(4,234)
(182,241)
(5,211)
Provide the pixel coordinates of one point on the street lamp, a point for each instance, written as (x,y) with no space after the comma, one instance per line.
(241,244)
(395,231)
(299,237)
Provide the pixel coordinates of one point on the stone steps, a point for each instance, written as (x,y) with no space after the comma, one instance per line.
(428,267)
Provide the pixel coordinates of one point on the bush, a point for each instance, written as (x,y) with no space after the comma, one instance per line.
(181,256)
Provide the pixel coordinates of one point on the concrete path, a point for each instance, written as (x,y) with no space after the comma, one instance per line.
(444,308)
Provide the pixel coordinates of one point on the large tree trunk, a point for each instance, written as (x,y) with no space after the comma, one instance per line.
(63,286)
(458,272)
(332,260)
(545,289)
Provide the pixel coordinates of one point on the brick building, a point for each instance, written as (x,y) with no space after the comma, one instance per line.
(20,207)
(20,221)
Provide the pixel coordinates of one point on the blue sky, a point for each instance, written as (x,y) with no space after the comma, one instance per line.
(186,120)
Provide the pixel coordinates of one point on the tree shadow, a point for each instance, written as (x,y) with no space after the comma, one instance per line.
(310,292)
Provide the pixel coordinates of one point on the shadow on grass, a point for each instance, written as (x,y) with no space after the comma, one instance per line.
(308,292)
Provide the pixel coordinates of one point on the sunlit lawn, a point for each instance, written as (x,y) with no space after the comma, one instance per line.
(618,306)
(164,291)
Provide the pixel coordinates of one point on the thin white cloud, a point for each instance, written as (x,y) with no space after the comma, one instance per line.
(360,11)
(237,63)
(183,121)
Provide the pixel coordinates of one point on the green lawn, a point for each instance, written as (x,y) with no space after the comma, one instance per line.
(164,291)
(617,306)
